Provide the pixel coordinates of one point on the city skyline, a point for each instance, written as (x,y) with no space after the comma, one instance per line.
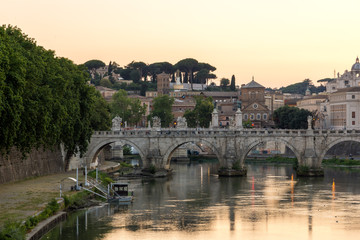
(278,42)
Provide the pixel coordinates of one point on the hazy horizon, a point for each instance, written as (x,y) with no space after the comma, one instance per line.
(278,42)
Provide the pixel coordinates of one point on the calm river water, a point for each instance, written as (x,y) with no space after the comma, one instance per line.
(195,204)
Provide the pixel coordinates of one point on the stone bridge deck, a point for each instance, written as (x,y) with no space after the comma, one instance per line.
(231,146)
(173,132)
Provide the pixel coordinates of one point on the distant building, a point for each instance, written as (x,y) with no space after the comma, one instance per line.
(315,104)
(342,111)
(163,83)
(253,105)
(348,79)
(274,100)
(105,92)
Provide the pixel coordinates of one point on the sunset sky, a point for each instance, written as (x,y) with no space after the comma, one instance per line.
(279,42)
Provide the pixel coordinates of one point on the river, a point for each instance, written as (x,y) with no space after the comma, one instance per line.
(196,204)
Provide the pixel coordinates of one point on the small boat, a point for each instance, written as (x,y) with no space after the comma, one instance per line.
(121,193)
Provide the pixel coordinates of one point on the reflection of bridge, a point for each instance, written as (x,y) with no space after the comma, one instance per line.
(156,146)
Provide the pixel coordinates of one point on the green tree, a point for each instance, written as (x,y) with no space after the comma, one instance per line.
(291,118)
(191,118)
(100,113)
(201,115)
(45,100)
(129,109)
(232,84)
(188,65)
(94,64)
(224,82)
(105,83)
(135,76)
(141,68)
(162,109)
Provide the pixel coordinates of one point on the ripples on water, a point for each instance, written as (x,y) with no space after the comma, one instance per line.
(195,204)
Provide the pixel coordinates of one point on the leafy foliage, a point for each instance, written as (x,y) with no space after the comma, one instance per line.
(232,84)
(44,99)
(162,108)
(300,88)
(94,64)
(291,117)
(201,115)
(129,109)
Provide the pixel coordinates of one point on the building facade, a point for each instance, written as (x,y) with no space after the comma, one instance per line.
(253,105)
(346,80)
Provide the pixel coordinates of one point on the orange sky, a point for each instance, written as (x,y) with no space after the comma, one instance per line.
(279,42)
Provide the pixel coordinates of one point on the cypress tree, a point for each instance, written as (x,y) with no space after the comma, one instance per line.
(232,84)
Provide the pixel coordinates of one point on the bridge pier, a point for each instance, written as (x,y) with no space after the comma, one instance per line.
(310,165)
(234,167)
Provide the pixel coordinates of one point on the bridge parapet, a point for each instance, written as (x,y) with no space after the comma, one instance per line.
(171,132)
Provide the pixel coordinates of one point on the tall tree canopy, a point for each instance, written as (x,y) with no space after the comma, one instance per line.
(44,100)
(301,87)
(162,109)
(129,109)
(232,83)
(94,64)
(201,115)
(291,117)
(188,65)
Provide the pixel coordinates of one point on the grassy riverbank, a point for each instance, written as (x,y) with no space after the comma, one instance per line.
(274,159)
(26,203)
(340,162)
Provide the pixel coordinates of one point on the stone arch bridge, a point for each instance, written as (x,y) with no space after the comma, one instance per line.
(231,147)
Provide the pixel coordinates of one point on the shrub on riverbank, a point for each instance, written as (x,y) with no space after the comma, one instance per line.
(13,231)
(104,177)
(275,159)
(17,230)
(336,161)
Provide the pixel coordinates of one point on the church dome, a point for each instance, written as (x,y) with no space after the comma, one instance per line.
(356,66)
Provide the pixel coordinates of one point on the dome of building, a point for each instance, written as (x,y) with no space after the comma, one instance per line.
(356,66)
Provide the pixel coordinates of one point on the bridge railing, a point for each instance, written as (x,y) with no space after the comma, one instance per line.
(208,132)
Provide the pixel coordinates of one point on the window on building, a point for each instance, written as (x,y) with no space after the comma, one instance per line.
(353,122)
(353,114)
(346,82)
(252,116)
(245,116)
(353,96)
(265,116)
(258,116)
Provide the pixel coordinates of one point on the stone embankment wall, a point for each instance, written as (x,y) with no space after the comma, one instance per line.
(14,167)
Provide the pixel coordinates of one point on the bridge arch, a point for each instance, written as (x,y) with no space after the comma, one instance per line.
(174,146)
(334,142)
(257,142)
(96,148)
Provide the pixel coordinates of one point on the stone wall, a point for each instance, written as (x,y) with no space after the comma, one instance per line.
(38,163)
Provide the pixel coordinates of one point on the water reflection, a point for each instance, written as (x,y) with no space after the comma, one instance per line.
(270,203)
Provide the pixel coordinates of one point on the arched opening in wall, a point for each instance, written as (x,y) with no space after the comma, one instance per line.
(340,151)
(193,159)
(276,157)
(110,154)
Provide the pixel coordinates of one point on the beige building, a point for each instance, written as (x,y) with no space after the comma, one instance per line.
(343,109)
(312,103)
(105,92)
(274,100)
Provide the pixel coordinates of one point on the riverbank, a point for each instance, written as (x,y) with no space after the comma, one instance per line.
(25,199)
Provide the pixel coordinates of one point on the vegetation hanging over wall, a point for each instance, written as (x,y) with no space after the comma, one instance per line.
(44,99)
